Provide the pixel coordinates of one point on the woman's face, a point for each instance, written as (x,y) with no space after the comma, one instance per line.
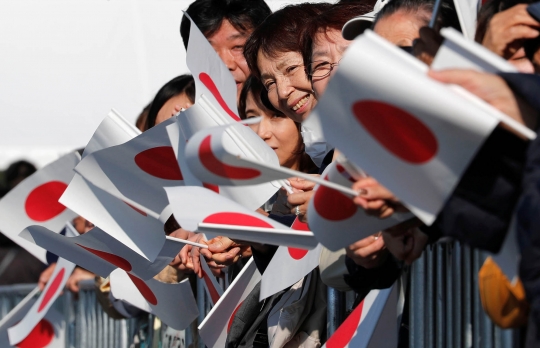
(278,131)
(289,89)
(172,106)
(328,48)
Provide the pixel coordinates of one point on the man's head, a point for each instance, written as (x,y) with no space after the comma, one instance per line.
(227,24)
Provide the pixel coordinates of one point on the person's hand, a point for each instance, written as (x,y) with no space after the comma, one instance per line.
(426,46)
(299,199)
(224,251)
(369,252)
(78,274)
(405,241)
(190,259)
(375,199)
(508,29)
(45,276)
(492,89)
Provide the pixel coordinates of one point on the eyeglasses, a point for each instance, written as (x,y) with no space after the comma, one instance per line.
(320,68)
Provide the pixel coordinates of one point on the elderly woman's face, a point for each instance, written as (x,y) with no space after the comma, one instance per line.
(289,89)
(402,27)
(328,48)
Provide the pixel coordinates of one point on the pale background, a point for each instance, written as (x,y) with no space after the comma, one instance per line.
(64,64)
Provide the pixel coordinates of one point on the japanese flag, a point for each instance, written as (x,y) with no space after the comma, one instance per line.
(113,130)
(289,265)
(136,171)
(416,136)
(35,201)
(217,323)
(37,312)
(211,285)
(49,332)
(174,304)
(100,253)
(373,324)
(212,78)
(336,220)
(201,210)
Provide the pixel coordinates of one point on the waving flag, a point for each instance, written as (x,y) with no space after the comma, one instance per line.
(35,201)
(217,323)
(373,324)
(100,253)
(49,332)
(201,210)
(137,170)
(289,265)
(37,312)
(336,220)
(211,285)
(174,304)
(416,136)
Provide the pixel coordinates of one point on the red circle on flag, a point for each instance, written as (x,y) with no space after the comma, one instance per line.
(211,187)
(232,317)
(144,289)
(55,284)
(159,162)
(399,132)
(214,165)
(40,336)
(42,203)
(345,332)
(118,261)
(333,205)
(297,253)
(209,83)
(237,219)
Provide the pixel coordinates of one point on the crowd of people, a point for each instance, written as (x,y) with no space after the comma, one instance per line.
(282,63)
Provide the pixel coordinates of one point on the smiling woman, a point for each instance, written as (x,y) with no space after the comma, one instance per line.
(274,55)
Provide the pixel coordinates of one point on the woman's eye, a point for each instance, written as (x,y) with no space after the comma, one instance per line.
(322,65)
(268,85)
(292,68)
(238,48)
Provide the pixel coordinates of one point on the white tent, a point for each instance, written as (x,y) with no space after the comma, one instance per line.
(64,64)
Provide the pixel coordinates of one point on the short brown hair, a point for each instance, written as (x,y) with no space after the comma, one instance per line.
(280,32)
(334,18)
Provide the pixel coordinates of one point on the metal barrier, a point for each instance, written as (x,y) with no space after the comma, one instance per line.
(444,308)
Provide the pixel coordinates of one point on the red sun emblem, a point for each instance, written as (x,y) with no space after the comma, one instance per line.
(344,334)
(40,336)
(214,165)
(42,203)
(399,132)
(118,261)
(297,253)
(333,205)
(51,291)
(237,219)
(144,289)
(159,162)
(209,83)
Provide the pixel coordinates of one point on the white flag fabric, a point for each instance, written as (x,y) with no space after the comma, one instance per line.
(212,78)
(201,210)
(467,11)
(127,224)
(137,170)
(37,312)
(48,333)
(373,324)
(100,253)
(289,265)
(336,220)
(113,130)
(174,304)
(416,136)
(217,323)
(35,201)
(211,285)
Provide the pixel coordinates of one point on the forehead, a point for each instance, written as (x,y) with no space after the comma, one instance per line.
(279,62)
(323,41)
(226,33)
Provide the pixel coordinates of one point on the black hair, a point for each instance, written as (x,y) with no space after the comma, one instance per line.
(244,15)
(18,171)
(447,16)
(179,85)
